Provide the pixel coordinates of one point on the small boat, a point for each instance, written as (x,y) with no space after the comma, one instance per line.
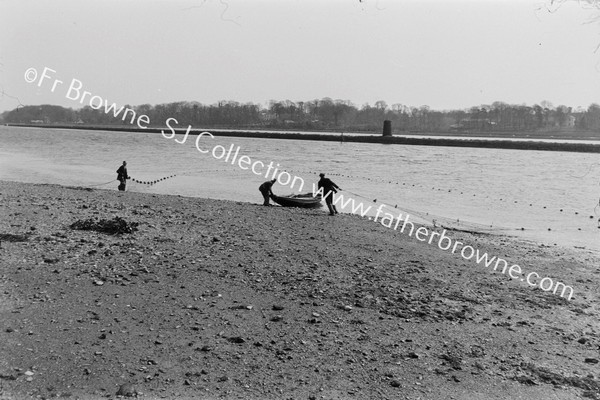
(306,200)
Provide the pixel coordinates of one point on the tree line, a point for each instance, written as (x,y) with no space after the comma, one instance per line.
(328,114)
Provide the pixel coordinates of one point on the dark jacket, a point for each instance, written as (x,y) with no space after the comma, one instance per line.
(266,187)
(327,185)
(122,173)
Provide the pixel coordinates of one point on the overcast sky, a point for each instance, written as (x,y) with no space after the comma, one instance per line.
(447,54)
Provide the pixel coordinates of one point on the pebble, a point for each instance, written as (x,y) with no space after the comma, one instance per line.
(126,390)
(28,373)
(242,307)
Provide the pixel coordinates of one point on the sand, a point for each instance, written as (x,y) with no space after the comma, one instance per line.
(227,300)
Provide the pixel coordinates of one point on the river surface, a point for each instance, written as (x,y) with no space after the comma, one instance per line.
(551,195)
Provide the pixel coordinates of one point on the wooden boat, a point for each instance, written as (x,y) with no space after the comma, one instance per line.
(306,200)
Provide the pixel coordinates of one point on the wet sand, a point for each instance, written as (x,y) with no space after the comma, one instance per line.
(214,299)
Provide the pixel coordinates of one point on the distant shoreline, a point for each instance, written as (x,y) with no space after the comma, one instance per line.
(460,140)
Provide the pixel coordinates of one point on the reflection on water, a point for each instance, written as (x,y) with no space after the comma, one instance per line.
(503,188)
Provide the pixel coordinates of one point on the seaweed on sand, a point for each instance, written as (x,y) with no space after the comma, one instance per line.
(9,237)
(587,383)
(115,226)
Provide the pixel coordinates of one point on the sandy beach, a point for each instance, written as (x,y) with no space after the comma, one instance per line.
(213,299)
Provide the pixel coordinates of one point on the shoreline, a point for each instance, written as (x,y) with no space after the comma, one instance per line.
(513,233)
(220,299)
(497,144)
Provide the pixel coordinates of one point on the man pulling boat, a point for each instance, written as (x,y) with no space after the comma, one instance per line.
(328,186)
(266,190)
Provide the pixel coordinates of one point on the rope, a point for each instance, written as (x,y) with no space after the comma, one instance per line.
(102,184)
(584,175)
(434,218)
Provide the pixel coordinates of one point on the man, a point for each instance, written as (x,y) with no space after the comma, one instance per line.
(122,176)
(266,191)
(329,188)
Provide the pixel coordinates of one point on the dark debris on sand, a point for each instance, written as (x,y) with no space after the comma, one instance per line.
(9,237)
(116,226)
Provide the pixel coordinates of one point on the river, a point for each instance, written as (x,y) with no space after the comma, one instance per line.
(551,195)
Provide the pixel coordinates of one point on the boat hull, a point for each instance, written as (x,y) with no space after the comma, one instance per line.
(298,200)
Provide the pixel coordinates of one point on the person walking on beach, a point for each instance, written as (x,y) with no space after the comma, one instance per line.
(266,191)
(329,188)
(122,176)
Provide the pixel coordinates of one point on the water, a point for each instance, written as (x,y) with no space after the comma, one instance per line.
(480,188)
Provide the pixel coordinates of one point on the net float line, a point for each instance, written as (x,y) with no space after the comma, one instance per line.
(564,209)
(152,182)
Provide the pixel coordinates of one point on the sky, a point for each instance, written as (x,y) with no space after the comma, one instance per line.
(447,54)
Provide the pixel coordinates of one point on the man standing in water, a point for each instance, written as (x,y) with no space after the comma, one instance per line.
(122,176)
(266,191)
(329,188)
